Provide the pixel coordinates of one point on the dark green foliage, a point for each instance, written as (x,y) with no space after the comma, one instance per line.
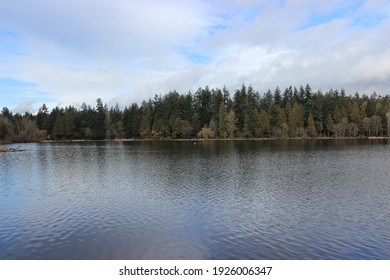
(99,125)
(240,107)
(210,113)
(277,97)
(132,118)
(264,125)
(42,119)
(223,128)
(202,106)
(114,123)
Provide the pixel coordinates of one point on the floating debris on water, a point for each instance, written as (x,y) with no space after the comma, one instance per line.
(4,150)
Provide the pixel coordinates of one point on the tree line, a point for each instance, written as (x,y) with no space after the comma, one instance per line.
(210,113)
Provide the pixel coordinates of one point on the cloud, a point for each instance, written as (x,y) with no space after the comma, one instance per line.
(81,50)
(26,106)
(76,51)
(108,28)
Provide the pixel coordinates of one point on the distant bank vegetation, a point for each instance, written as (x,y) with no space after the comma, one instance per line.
(210,113)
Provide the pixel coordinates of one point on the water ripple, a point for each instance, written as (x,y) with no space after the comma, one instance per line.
(214,200)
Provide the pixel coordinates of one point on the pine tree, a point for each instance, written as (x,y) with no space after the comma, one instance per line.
(231,122)
(240,107)
(223,122)
(311,128)
(329,125)
(388,123)
(146,120)
(264,125)
(356,116)
(99,126)
(277,97)
(296,121)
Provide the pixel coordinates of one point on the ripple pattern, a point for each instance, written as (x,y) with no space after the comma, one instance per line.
(214,200)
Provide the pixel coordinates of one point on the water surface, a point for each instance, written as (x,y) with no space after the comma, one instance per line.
(215,200)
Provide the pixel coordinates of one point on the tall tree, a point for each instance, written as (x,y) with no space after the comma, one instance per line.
(132,118)
(277,97)
(99,125)
(356,116)
(146,121)
(311,128)
(114,123)
(375,123)
(240,107)
(388,123)
(296,121)
(223,129)
(203,105)
(287,96)
(329,125)
(231,122)
(42,119)
(264,125)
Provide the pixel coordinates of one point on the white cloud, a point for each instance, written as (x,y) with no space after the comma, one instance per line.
(77,51)
(26,106)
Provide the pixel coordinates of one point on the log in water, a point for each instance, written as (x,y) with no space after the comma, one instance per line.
(4,150)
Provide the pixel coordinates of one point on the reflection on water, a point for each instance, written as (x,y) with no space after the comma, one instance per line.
(213,200)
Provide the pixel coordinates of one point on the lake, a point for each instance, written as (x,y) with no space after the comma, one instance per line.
(292,199)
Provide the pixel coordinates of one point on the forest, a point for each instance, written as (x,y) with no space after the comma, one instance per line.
(209,113)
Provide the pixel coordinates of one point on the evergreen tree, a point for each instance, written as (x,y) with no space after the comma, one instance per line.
(388,123)
(203,105)
(99,125)
(308,94)
(226,98)
(231,122)
(287,96)
(181,128)
(356,117)
(223,128)
(277,97)
(59,127)
(281,127)
(71,126)
(311,128)
(240,107)
(132,118)
(146,120)
(251,120)
(114,123)
(212,112)
(42,119)
(329,125)
(264,125)
(296,121)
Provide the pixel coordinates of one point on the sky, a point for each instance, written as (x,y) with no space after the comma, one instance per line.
(68,52)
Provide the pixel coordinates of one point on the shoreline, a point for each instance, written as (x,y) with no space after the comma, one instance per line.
(195,140)
(212,139)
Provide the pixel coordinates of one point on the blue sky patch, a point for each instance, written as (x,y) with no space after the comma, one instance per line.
(345,11)
(194,56)
(13,91)
(9,43)
(250,15)
(369,20)
(10,83)
(215,28)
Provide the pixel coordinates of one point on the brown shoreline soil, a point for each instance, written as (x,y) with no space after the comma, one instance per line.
(191,140)
(209,139)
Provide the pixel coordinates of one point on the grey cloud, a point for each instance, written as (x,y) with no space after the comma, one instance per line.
(107,27)
(80,50)
(26,106)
